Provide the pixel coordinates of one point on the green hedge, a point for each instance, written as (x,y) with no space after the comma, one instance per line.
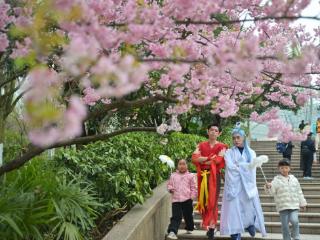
(74,195)
(13,145)
(126,168)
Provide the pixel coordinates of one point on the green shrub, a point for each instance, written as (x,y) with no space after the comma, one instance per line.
(13,145)
(37,202)
(64,198)
(127,167)
(124,169)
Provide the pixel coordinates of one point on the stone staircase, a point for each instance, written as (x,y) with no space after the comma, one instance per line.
(309,220)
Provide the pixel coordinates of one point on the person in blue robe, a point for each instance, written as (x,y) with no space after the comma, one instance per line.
(241,209)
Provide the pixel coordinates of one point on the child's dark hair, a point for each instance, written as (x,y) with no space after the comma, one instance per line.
(214,125)
(180,159)
(284,162)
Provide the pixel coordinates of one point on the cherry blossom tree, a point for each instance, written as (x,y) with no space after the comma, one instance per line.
(83,57)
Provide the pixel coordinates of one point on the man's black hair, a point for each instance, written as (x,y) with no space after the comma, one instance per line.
(284,162)
(214,125)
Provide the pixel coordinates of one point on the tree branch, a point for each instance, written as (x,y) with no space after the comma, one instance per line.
(128,104)
(190,61)
(173,60)
(291,85)
(256,19)
(266,89)
(33,151)
(306,73)
(216,22)
(10,109)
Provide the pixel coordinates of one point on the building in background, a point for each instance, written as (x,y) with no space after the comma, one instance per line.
(309,113)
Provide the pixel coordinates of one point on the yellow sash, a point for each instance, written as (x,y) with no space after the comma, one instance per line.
(203,197)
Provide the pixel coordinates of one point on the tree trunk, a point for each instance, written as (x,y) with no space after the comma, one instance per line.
(2,131)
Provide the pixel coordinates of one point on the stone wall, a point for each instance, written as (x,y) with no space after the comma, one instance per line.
(145,222)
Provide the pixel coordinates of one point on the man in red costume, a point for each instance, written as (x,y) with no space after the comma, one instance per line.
(208,159)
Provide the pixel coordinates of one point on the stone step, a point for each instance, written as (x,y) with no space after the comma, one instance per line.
(271,176)
(304,217)
(256,144)
(297,175)
(301,180)
(306,190)
(293,167)
(272,149)
(273,227)
(274,163)
(269,199)
(201,234)
(275,154)
(293,170)
(302,183)
(271,207)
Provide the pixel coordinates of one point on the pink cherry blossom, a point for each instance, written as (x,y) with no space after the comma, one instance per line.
(4,42)
(265,117)
(22,49)
(112,45)
(91,97)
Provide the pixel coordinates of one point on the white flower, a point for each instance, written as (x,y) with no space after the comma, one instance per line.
(170,164)
(175,125)
(164,158)
(164,141)
(162,129)
(258,161)
(167,160)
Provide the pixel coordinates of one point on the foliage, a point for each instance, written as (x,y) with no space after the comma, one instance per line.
(62,198)
(37,202)
(126,168)
(14,144)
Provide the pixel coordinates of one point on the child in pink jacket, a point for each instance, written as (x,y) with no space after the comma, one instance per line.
(182,187)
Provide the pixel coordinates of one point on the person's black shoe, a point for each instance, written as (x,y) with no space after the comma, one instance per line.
(236,236)
(210,234)
(251,230)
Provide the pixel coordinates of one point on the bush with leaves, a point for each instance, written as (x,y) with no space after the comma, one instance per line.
(126,168)
(63,198)
(14,144)
(37,202)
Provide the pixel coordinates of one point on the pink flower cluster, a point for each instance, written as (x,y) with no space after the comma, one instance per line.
(173,126)
(113,44)
(71,127)
(5,19)
(49,122)
(277,127)
(284,131)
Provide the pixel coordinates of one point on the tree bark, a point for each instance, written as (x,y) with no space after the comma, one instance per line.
(2,131)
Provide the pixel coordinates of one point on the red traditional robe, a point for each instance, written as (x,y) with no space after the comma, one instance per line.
(210,213)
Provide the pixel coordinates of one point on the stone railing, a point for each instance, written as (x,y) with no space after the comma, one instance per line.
(145,222)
